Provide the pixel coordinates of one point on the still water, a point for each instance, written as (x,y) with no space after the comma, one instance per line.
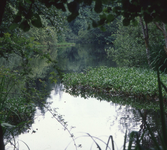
(100,119)
(89,120)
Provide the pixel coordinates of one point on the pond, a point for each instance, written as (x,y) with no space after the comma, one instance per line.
(88,119)
(100,119)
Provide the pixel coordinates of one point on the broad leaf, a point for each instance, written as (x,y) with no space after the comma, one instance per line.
(126,22)
(94,24)
(73,7)
(28,1)
(88,2)
(134,22)
(60,6)
(72,16)
(147,18)
(110,18)
(103,28)
(25,26)
(17,18)
(102,16)
(36,21)
(102,21)
(13,26)
(98,6)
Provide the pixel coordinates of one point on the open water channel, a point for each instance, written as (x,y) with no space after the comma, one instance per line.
(89,120)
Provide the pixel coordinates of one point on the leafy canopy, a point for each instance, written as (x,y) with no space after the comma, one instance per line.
(29,11)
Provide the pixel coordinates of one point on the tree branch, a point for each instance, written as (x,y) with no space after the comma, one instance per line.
(158,26)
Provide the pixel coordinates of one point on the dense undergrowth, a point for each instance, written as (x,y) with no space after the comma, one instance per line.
(137,82)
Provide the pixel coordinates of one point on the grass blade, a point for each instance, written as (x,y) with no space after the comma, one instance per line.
(112,142)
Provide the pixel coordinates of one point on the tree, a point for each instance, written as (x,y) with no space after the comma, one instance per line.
(29,11)
(128,49)
(129,46)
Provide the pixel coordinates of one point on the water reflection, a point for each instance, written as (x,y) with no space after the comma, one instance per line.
(98,118)
(83,56)
(85,112)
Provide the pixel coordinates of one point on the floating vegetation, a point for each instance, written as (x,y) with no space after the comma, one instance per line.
(128,82)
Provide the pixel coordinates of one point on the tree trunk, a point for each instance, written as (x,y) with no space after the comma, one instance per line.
(2,147)
(163,29)
(2,9)
(146,39)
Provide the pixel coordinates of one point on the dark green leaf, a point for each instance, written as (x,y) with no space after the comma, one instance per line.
(103,28)
(134,22)
(24,26)
(102,21)
(60,6)
(102,16)
(13,26)
(98,6)
(28,1)
(116,9)
(88,2)
(126,22)
(18,18)
(73,7)
(64,1)
(147,18)
(110,18)
(36,21)
(48,4)
(72,16)
(163,17)
(29,15)
(88,27)
(94,23)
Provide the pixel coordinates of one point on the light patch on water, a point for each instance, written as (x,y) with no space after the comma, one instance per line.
(97,118)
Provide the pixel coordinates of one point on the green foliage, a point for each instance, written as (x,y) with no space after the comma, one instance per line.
(13,106)
(28,12)
(158,54)
(129,47)
(127,81)
(44,35)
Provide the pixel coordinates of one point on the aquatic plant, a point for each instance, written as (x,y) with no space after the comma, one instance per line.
(141,83)
(130,81)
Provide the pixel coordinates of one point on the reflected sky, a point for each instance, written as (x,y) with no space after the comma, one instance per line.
(98,118)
